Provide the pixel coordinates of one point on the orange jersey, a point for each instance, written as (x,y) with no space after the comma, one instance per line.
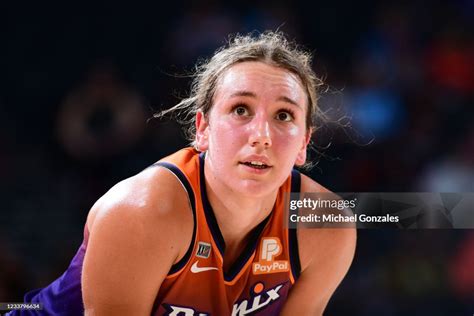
(257,283)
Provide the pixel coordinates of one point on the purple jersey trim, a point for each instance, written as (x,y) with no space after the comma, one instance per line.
(63,296)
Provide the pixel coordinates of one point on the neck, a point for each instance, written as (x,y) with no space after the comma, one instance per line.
(236,214)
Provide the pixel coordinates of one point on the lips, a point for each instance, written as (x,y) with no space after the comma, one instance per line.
(256,162)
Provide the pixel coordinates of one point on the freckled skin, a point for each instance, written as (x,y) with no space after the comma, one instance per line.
(258,109)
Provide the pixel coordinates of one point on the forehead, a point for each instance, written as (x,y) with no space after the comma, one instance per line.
(262,79)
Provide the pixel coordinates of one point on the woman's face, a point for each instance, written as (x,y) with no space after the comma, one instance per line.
(255,131)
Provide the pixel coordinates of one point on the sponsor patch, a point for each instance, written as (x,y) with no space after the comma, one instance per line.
(270,247)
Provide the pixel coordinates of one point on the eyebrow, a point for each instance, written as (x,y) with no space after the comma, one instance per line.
(253,95)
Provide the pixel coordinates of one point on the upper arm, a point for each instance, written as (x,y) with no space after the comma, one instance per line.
(326,255)
(134,239)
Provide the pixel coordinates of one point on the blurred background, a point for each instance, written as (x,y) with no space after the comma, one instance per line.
(78,84)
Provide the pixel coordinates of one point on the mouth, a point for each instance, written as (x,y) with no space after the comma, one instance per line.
(255,164)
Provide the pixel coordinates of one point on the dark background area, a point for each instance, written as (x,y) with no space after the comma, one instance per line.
(78,83)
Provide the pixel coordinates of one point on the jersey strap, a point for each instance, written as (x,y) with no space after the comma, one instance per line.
(292,236)
(187,186)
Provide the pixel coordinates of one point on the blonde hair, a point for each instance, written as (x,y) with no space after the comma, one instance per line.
(269,47)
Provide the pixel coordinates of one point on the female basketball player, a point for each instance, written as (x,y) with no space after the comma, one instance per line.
(201,232)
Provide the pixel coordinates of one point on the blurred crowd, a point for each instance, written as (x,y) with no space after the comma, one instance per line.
(77,95)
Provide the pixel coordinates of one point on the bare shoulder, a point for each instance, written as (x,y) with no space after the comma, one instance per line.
(315,242)
(151,197)
(137,231)
(325,255)
(309,185)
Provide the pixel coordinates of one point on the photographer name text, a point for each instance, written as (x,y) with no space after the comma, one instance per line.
(339,218)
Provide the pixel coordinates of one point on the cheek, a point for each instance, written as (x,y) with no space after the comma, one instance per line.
(294,131)
(291,136)
(290,142)
(224,138)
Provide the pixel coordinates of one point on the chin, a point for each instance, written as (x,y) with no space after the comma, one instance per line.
(255,188)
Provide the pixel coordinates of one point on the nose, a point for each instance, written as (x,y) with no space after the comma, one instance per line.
(260,132)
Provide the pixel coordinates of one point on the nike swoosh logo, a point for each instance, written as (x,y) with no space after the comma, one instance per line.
(196,269)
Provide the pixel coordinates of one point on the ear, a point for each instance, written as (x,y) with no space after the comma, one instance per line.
(202,132)
(301,157)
